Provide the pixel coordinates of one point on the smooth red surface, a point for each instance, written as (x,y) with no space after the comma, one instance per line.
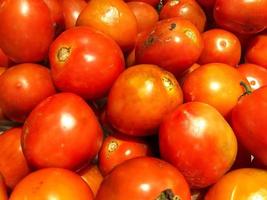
(3,192)
(151,2)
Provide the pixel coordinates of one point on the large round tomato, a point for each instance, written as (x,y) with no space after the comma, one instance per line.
(52,184)
(240,184)
(86,62)
(26,29)
(249,123)
(62,131)
(197,140)
(241,16)
(140,98)
(22,87)
(144,178)
(173,44)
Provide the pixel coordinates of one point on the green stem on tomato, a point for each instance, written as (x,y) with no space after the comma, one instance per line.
(247,89)
(168,195)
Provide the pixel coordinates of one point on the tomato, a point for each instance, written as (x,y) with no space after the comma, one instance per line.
(173,44)
(208,4)
(216,84)
(256,51)
(52,183)
(187,9)
(92,176)
(151,2)
(241,16)
(143,178)
(255,74)
(220,46)
(187,72)
(22,87)
(118,148)
(62,131)
(112,17)
(241,184)
(86,62)
(13,165)
(130,60)
(4,60)
(140,97)
(249,123)
(28,40)
(197,140)
(71,10)
(3,193)
(145,14)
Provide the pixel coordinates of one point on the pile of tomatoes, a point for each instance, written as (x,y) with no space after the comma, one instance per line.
(136,100)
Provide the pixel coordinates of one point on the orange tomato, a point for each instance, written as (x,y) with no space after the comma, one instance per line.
(3,193)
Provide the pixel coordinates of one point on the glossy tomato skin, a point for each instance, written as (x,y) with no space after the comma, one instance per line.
(22,87)
(29,40)
(173,44)
(187,9)
(197,140)
(151,2)
(3,192)
(141,179)
(248,122)
(118,148)
(220,46)
(52,183)
(86,62)
(74,138)
(207,4)
(4,60)
(216,84)
(240,184)
(256,51)
(241,16)
(255,74)
(140,98)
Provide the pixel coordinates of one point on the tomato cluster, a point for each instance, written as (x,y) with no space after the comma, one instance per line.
(138,100)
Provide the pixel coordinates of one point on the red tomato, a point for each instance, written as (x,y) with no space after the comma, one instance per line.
(216,84)
(118,148)
(241,16)
(52,183)
(151,2)
(86,62)
(145,14)
(144,178)
(62,131)
(13,165)
(197,140)
(3,192)
(71,10)
(140,98)
(220,46)
(257,50)
(249,123)
(22,87)
(208,4)
(4,60)
(161,45)
(241,184)
(187,72)
(28,40)
(255,74)
(187,9)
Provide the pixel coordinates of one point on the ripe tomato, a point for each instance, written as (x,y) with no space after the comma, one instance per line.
(92,176)
(62,131)
(4,60)
(249,123)
(257,50)
(187,9)
(197,140)
(161,44)
(143,178)
(220,46)
(241,184)
(145,14)
(241,16)
(71,10)
(3,193)
(13,165)
(86,62)
(255,74)
(187,72)
(140,98)
(118,148)
(22,87)
(216,84)
(28,40)
(207,4)
(112,17)
(52,183)
(151,2)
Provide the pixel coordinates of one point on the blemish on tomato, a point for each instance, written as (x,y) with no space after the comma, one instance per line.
(167,83)
(112,146)
(172,26)
(63,54)
(190,34)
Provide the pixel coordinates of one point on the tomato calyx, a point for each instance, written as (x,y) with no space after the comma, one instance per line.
(247,89)
(168,195)
(63,54)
